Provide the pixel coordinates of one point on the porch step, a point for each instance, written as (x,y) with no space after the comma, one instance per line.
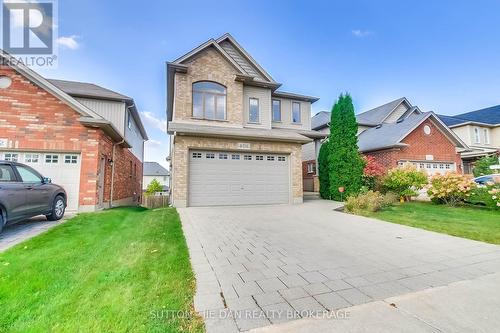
(311,196)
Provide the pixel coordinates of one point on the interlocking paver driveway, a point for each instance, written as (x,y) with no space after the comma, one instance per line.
(256,266)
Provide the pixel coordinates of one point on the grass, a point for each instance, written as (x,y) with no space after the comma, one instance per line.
(119,270)
(476,223)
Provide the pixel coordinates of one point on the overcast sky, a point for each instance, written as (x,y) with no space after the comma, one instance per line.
(442,55)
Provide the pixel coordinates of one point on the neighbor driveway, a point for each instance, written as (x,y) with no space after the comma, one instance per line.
(263,265)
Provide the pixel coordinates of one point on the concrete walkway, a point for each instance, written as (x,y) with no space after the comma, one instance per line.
(257,266)
(19,232)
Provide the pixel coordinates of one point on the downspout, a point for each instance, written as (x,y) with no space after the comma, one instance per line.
(113,158)
(113,173)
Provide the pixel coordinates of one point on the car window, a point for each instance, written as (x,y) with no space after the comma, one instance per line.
(7,173)
(28,175)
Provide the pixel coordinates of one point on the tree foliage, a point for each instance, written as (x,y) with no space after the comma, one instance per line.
(154,187)
(345,163)
(482,166)
(405,181)
(324,170)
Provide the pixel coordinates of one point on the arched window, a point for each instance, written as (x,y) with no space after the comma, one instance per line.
(209,100)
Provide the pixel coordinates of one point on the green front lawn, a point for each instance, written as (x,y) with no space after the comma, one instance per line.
(476,223)
(119,270)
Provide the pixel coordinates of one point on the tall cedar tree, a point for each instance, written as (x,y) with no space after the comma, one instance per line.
(324,170)
(346,165)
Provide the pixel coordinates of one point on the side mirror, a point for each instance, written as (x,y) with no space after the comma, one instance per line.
(46,180)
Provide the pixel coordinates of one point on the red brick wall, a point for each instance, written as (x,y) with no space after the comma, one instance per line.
(304,169)
(32,118)
(420,145)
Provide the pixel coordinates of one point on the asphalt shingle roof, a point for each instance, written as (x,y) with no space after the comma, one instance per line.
(388,135)
(320,119)
(82,89)
(377,115)
(489,115)
(154,169)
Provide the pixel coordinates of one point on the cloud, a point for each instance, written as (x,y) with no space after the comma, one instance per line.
(151,120)
(69,42)
(361,33)
(154,143)
(157,151)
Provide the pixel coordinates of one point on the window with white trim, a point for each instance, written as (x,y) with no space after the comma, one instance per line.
(296,113)
(486,136)
(209,100)
(70,159)
(281,158)
(222,156)
(311,167)
(253,110)
(270,158)
(13,157)
(31,158)
(259,158)
(276,110)
(51,159)
(477,139)
(196,155)
(235,157)
(247,157)
(210,156)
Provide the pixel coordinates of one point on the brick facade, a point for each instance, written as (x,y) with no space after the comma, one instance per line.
(33,119)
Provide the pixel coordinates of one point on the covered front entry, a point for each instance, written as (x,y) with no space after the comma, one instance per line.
(220,178)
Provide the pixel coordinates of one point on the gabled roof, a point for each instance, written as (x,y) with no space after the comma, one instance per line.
(320,120)
(379,114)
(385,136)
(488,116)
(83,89)
(56,88)
(154,169)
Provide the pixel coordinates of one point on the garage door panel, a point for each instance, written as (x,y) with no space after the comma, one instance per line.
(243,181)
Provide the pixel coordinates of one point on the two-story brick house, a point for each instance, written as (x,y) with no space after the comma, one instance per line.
(395,133)
(84,137)
(235,138)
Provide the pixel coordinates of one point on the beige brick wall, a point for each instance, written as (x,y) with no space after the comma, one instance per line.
(209,65)
(182,144)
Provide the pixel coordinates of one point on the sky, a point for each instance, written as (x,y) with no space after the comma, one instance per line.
(442,55)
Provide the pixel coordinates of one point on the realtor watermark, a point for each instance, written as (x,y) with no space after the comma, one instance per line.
(29,32)
(164,314)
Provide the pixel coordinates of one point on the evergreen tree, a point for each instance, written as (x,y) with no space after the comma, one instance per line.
(345,163)
(324,170)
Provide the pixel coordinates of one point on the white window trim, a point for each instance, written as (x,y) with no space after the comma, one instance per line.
(486,136)
(272,110)
(258,110)
(477,135)
(300,113)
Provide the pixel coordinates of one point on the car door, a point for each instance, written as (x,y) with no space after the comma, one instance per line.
(37,192)
(12,193)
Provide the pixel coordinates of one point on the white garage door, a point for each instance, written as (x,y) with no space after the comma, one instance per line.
(63,169)
(235,178)
(432,168)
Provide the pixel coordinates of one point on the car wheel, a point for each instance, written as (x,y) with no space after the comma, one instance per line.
(58,207)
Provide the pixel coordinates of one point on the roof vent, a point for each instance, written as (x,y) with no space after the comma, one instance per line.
(400,120)
(378,126)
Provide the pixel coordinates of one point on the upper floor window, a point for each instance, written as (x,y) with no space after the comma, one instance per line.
(209,100)
(253,110)
(477,139)
(276,110)
(486,134)
(296,112)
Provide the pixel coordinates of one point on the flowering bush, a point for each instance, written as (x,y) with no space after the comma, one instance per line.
(372,173)
(405,181)
(450,188)
(494,191)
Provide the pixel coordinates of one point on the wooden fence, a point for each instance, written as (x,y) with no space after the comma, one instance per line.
(154,201)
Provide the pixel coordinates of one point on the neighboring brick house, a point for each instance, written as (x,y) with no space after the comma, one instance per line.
(480,130)
(84,137)
(235,139)
(396,133)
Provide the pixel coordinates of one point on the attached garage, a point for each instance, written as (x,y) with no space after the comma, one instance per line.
(220,178)
(62,168)
(431,167)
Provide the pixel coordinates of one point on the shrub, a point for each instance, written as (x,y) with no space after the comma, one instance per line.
(368,202)
(154,187)
(482,166)
(405,181)
(372,173)
(482,196)
(450,188)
